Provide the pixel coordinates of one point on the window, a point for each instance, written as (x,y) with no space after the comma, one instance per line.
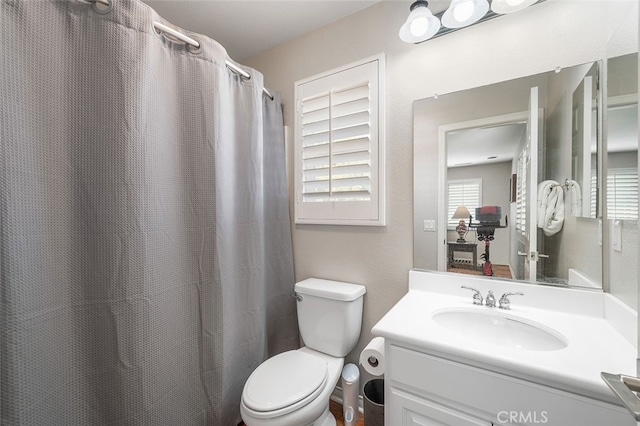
(463,192)
(339,144)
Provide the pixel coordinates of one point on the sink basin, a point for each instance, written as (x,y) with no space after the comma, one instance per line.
(500,329)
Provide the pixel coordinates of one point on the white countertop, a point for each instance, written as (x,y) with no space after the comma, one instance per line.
(599,330)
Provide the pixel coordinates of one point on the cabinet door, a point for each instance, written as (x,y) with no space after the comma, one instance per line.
(409,410)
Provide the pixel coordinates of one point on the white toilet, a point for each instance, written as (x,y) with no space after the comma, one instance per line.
(293,388)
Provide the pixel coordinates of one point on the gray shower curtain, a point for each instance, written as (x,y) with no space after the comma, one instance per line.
(145,248)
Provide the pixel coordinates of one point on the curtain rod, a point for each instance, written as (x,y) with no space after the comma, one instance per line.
(176,36)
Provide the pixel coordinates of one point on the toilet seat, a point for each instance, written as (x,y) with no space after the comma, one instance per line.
(298,377)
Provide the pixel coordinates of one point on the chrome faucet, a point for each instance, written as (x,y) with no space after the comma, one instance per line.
(490,301)
(477,296)
(505,303)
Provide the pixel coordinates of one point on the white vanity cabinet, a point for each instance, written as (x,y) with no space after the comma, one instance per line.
(406,409)
(428,390)
(538,363)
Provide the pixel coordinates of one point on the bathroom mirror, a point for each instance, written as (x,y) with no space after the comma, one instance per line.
(584,147)
(505,139)
(621,188)
(597,249)
(622,138)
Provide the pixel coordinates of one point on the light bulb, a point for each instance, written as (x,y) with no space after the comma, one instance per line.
(464,11)
(510,6)
(419,26)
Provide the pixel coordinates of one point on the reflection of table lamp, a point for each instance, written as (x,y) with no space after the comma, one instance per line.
(461,213)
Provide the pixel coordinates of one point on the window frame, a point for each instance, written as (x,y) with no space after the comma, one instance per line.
(371,212)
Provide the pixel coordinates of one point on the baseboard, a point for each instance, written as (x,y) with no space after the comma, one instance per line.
(336,396)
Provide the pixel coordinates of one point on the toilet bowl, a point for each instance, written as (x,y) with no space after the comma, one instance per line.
(293,388)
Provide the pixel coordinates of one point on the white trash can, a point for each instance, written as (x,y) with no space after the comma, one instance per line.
(350,386)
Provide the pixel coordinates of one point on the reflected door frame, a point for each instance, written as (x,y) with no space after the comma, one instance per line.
(531,243)
(498,120)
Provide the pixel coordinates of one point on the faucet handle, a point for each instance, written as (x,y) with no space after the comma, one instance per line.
(477,296)
(490,300)
(505,303)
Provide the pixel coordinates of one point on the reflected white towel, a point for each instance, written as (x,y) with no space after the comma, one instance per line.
(544,191)
(554,216)
(550,207)
(576,198)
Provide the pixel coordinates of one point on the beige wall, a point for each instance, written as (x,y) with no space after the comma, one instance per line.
(537,40)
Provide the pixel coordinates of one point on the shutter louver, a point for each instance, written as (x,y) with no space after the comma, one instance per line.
(336,140)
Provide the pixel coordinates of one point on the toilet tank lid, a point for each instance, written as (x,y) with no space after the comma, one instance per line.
(328,289)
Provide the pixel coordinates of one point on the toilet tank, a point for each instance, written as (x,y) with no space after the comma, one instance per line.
(329,315)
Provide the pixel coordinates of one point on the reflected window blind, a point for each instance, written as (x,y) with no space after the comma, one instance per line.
(622,193)
(340,146)
(463,192)
(593,199)
(521,193)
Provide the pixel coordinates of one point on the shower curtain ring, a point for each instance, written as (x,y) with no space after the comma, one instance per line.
(175,36)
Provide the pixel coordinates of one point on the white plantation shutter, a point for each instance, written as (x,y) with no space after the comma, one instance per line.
(340,146)
(336,159)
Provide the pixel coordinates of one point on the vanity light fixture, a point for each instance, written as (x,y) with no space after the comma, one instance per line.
(421,24)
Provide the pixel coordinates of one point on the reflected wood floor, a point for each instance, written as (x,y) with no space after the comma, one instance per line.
(501,271)
(336,409)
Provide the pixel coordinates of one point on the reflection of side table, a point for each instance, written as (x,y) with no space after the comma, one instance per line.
(463,247)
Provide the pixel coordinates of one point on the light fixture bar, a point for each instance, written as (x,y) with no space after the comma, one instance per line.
(444,30)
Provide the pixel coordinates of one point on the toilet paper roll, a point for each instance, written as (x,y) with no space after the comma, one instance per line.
(372,357)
